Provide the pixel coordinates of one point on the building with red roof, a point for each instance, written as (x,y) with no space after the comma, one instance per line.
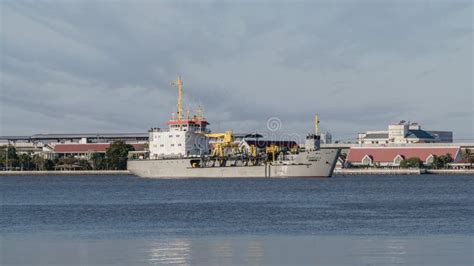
(85,150)
(392,156)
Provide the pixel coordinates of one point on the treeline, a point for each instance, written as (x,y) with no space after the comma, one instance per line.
(115,158)
(439,162)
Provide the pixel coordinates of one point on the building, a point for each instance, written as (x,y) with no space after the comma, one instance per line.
(75,138)
(405,132)
(45,144)
(392,156)
(85,151)
(326,138)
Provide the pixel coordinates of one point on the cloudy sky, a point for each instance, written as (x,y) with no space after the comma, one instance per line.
(106,66)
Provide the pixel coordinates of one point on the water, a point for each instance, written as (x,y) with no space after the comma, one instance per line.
(356,220)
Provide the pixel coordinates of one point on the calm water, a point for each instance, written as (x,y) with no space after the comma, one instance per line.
(357,220)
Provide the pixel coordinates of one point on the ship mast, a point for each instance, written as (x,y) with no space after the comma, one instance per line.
(178,83)
(316,124)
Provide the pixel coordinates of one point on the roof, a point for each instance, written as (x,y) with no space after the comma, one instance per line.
(247,135)
(89,147)
(14,137)
(377,136)
(421,134)
(77,136)
(265,143)
(388,154)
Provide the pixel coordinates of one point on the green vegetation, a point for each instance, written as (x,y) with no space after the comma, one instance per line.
(48,165)
(442,161)
(115,158)
(98,161)
(8,157)
(413,162)
(117,155)
(469,157)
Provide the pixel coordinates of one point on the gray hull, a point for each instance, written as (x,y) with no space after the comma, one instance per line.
(319,163)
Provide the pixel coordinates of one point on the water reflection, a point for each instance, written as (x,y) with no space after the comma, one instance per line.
(301,250)
(374,251)
(222,252)
(206,251)
(255,252)
(239,250)
(170,252)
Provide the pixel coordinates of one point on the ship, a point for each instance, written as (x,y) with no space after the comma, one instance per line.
(188,149)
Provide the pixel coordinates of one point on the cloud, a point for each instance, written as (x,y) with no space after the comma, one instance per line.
(96,66)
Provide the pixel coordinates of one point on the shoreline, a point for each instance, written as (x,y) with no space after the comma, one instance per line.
(337,172)
(80,172)
(350,171)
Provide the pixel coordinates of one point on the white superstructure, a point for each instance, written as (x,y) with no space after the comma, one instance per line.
(182,138)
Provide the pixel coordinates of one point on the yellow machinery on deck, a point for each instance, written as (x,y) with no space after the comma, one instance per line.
(226,142)
(273,150)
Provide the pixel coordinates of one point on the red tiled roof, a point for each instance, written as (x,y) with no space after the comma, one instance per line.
(388,154)
(89,147)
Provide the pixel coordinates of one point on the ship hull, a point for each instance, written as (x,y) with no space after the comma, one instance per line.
(319,163)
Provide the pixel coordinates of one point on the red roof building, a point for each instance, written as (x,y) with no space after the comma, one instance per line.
(392,156)
(78,148)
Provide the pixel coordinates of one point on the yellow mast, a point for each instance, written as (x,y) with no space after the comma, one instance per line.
(178,83)
(316,124)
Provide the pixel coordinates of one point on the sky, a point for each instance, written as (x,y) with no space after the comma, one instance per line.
(107,66)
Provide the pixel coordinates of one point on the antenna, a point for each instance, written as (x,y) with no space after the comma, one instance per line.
(178,83)
(200,113)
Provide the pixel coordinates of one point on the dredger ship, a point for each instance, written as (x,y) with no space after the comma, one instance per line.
(188,149)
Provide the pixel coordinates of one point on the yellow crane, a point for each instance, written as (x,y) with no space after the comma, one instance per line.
(273,150)
(227,141)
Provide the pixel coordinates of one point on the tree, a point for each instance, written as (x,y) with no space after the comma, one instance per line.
(26,161)
(2,157)
(413,162)
(84,164)
(48,165)
(441,161)
(98,161)
(38,161)
(9,157)
(67,161)
(469,157)
(117,155)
